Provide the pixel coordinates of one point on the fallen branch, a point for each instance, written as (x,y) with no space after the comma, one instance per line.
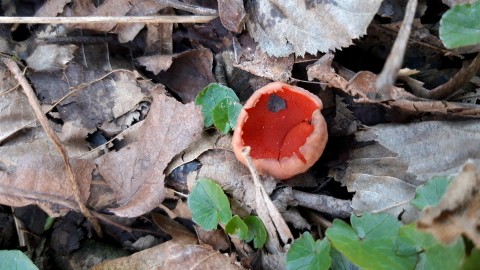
(32,99)
(325,204)
(109,19)
(462,77)
(390,70)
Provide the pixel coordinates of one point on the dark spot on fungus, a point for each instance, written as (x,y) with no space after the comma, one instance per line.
(276,103)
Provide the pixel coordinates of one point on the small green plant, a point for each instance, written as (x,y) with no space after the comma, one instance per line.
(210,206)
(220,107)
(460,26)
(15,259)
(380,241)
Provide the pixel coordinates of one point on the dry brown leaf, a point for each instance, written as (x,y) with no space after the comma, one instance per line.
(262,65)
(458,211)
(15,112)
(99,101)
(385,174)
(218,239)
(156,63)
(205,143)
(41,179)
(135,172)
(189,73)
(318,25)
(107,8)
(51,57)
(451,3)
(51,8)
(127,32)
(232,14)
(401,105)
(171,255)
(344,123)
(180,234)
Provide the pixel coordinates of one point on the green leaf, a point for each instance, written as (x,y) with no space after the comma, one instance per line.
(15,259)
(340,262)
(256,231)
(460,26)
(238,227)
(210,96)
(472,261)
(48,223)
(370,242)
(209,204)
(430,252)
(306,253)
(431,193)
(225,114)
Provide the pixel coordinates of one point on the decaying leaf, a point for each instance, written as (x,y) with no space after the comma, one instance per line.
(396,158)
(401,104)
(189,73)
(51,8)
(255,61)
(458,211)
(34,178)
(172,255)
(156,63)
(232,14)
(317,25)
(51,57)
(15,112)
(205,143)
(138,180)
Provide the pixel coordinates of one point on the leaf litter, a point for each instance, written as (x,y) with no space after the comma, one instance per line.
(144,134)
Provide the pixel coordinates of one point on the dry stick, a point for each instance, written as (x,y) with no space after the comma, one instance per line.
(270,216)
(390,70)
(462,77)
(109,19)
(186,7)
(326,204)
(32,99)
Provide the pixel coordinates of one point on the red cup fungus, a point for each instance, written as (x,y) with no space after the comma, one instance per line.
(284,128)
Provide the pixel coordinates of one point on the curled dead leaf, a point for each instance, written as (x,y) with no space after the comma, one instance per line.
(138,181)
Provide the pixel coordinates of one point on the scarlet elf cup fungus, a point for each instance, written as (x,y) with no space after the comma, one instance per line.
(284,128)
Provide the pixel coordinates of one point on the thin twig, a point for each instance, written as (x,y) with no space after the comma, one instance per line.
(267,211)
(462,77)
(325,204)
(109,19)
(394,61)
(190,8)
(32,99)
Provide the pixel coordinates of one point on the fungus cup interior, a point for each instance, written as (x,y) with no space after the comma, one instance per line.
(279,124)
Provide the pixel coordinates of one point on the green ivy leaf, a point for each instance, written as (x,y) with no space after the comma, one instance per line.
(256,231)
(306,253)
(238,227)
(431,253)
(225,114)
(472,261)
(431,193)
(460,26)
(209,98)
(209,204)
(370,242)
(340,262)
(15,259)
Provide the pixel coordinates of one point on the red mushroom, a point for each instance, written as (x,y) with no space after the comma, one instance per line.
(284,128)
